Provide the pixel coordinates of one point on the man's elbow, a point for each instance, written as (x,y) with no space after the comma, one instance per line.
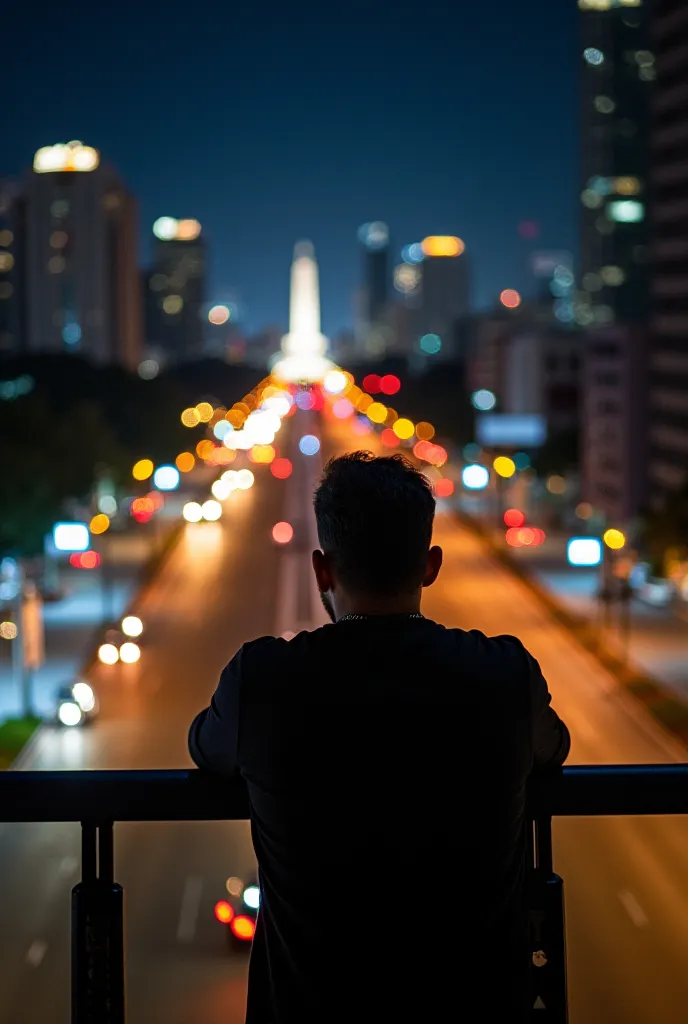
(194,742)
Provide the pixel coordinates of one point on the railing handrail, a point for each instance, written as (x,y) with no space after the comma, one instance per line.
(192,795)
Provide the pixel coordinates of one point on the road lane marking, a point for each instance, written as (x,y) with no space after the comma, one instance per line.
(36,952)
(633,909)
(188,915)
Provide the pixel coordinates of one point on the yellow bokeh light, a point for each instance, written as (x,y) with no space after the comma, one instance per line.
(504,466)
(403,428)
(442,245)
(185,462)
(142,470)
(614,539)
(363,402)
(8,630)
(241,407)
(205,412)
(376,412)
(99,523)
(236,417)
(392,417)
(187,230)
(191,418)
(205,448)
(425,431)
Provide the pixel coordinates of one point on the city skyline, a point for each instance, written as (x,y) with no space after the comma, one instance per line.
(417,140)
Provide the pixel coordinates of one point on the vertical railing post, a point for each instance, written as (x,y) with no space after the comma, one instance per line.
(548,995)
(97,933)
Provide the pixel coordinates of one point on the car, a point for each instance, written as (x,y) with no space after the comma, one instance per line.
(122,642)
(238,911)
(77,704)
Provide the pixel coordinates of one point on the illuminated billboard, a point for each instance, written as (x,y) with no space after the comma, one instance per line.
(510,430)
(442,245)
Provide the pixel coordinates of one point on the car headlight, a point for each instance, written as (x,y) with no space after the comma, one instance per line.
(84,696)
(69,713)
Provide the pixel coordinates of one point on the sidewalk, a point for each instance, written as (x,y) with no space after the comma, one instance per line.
(73,624)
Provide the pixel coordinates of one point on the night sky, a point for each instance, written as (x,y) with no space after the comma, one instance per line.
(273,122)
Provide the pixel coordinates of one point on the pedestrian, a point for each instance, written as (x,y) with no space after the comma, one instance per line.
(386,759)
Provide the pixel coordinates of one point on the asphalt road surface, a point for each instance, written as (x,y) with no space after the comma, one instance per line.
(626,879)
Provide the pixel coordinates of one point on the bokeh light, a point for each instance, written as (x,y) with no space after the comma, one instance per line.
(221,489)
(404,429)
(444,487)
(211,510)
(84,560)
(192,512)
(335,382)
(108,654)
(514,517)
(190,418)
(510,298)
(166,478)
(282,533)
(483,400)
(614,539)
(584,510)
(185,462)
(430,344)
(376,412)
(8,630)
(132,625)
(218,315)
(389,384)
(556,484)
(475,477)
(371,383)
(281,468)
(425,431)
(129,653)
(99,523)
(205,411)
(389,438)
(205,449)
(504,466)
(245,479)
(143,469)
(442,245)
(309,444)
(342,409)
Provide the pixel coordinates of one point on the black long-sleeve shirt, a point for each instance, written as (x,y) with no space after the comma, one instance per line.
(386,760)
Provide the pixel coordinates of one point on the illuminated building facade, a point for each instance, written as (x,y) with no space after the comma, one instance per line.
(12,269)
(176,292)
(81,258)
(373,301)
(618,72)
(444,296)
(669,324)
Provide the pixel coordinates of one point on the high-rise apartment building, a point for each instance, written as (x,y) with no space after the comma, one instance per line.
(444,299)
(669,325)
(374,294)
(618,70)
(81,258)
(176,291)
(12,269)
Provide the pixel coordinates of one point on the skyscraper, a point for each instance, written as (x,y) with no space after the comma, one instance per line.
(617,72)
(444,295)
(176,290)
(81,258)
(669,326)
(374,293)
(12,269)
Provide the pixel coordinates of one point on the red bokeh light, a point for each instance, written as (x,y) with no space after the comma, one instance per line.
(514,517)
(371,384)
(524,537)
(243,927)
(224,912)
(389,384)
(282,533)
(389,438)
(85,560)
(444,488)
(157,500)
(510,298)
(420,449)
(281,468)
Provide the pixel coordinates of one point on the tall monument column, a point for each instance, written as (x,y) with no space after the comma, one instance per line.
(305,346)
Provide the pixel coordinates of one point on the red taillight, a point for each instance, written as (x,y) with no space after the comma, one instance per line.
(243,927)
(224,912)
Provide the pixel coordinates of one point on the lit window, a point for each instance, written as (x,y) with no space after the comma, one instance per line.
(56,264)
(60,208)
(591,199)
(626,211)
(6,262)
(595,5)
(604,105)
(59,239)
(71,334)
(647,74)
(644,58)
(593,56)
(627,186)
(172,304)
(612,275)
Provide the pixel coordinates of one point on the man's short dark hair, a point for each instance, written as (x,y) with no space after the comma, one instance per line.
(374,518)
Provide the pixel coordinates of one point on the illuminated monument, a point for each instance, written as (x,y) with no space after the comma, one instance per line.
(305,346)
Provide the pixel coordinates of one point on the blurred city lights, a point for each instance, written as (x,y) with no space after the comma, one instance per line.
(404,429)
(142,509)
(335,382)
(425,431)
(148,369)
(342,408)
(221,489)
(504,466)
(389,438)
(129,653)
(407,278)
(224,911)
(430,344)
(168,229)
(444,488)
(475,477)
(262,454)
(69,713)
(584,510)
(218,315)
(625,211)
(8,630)
(584,551)
(166,478)
(374,235)
(442,245)
(524,537)
(84,696)
(389,384)
(143,469)
(70,156)
(205,411)
(281,468)
(510,298)
(221,429)
(132,625)
(108,654)
(483,400)
(521,460)
(309,444)
(71,536)
(185,462)
(614,539)
(84,560)
(514,517)
(556,484)
(192,512)
(172,304)
(245,479)
(282,533)
(190,418)
(211,510)
(376,412)
(99,523)
(371,383)
(305,400)
(413,253)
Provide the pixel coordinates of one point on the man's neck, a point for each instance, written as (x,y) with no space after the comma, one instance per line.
(405,604)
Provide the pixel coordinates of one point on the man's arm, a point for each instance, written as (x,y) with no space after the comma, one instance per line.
(551,738)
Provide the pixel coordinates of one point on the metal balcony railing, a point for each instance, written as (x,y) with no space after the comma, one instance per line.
(97,799)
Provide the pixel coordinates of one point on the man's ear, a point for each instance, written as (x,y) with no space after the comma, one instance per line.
(434,564)
(323,571)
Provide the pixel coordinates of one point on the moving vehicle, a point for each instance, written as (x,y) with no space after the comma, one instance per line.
(76,704)
(238,911)
(122,642)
